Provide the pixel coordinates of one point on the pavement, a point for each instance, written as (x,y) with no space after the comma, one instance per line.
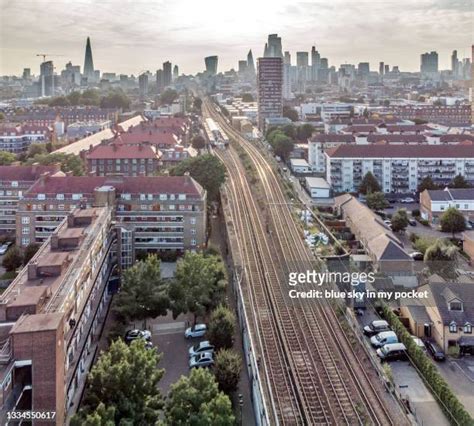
(459,373)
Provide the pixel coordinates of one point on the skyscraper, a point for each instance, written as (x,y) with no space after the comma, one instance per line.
(211,64)
(159,80)
(47,78)
(454,63)
(143,85)
(166,73)
(250,63)
(273,47)
(269,89)
(315,63)
(429,63)
(88,62)
(381,68)
(287,58)
(175,72)
(242,67)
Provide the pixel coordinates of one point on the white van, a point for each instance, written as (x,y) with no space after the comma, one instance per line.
(383,338)
(392,352)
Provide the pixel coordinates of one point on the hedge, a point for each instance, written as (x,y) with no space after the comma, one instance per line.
(449,403)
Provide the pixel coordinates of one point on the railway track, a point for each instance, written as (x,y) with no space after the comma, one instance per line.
(314,374)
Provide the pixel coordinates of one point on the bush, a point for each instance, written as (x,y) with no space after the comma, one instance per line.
(449,403)
(415,212)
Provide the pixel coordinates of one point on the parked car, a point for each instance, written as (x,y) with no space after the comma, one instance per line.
(376,327)
(417,255)
(412,221)
(132,335)
(383,338)
(204,346)
(3,249)
(407,200)
(419,343)
(435,351)
(202,360)
(392,352)
(197,330)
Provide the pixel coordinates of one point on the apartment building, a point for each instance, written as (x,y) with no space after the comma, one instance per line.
(122,159)
(14,182)
(433,203)
(320,143)
(52,314)
(269,89)
(154,213)
(442,114)
(16,138)
(398,168)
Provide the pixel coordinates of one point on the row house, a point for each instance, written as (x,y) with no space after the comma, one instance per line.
(433,203)
(442,114)
(16,138)
(398,168)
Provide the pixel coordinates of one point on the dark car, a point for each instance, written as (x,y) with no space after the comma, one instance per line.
(435,351)
(132,335)
(412,221)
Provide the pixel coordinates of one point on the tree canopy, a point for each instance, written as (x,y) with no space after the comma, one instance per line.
(68,162)
(426,183)
(399,220)
(125,381)
(143,294)
(290,113)
(452,220)
(199,284)
(198,142)
(459,181)
(282,144)
(441,259)
(6,158)
(207,169)
(376,201)
(222,326)
(196,400)
(168,96)
(227,368)
(369,184)
(13,259)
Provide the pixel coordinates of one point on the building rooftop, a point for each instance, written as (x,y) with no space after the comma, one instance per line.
(451,194)
(317,182)
(25,173)
(118,151)
(40,322)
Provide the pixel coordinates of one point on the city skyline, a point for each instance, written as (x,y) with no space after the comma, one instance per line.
(186,38)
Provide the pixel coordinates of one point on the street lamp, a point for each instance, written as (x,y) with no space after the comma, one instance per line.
(241,404)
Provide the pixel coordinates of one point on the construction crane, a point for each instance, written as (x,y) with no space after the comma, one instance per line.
(46,54)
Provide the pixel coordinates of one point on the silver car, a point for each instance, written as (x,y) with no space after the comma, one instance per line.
(197,330)
(201,347)
(204,359)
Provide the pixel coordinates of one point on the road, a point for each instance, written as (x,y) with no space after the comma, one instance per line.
(313,373)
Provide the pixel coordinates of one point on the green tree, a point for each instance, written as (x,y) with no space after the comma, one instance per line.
(197,104)
(290,113)
(69,162)
(74,98)
(289,130)
(459,182)
(29,252)
(198,142)
(452,220)
(12,259)
(222,326)
(227,368)
(6,158)
(90,97)
(426,183)
(305,131)
(207,169)
(59,101)
(376,201)
(199,284)
(369,184)
(441,259)
(36,149)
(116,99)
(143,294)
(101,416)
(125,378)
(247,97)
(282,145)
(168,96)
(2,116)
(196,400)
(399,220)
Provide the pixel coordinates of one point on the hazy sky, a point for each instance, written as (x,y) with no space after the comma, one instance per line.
(129,36)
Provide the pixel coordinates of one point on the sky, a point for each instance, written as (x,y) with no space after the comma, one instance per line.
(131,36)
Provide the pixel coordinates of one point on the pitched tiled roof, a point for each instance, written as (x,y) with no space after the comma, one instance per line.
(155,138)
(374,138)
(403,151)
(451,194)
(116,151)
(25,173)
(332,137)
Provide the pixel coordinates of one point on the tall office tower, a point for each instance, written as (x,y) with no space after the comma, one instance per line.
(287,58)
(47,78)
(315,63)
(454,63)
(175,72)
(286,80)
(88,63)
(159,80)
(381,68)
(211,64)
(269,89)
(363,69)
(302,66)
(166,73)
(273,47)
(429,63)
(26,73)
(302,59)
(250,63)
(386,69)
(242,67)
(143,85)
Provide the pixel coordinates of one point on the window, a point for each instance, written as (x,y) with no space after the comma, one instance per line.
(59,196)
(181,196)
(193,221)
(126,196)
(468,328)
(14,184)
(193,242)
(25,220)
(76,196)
(193,232)
(455,305)
(25,241)
(453,328)
(41,197)
(25,230)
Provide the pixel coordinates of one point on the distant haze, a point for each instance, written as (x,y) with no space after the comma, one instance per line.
(130,36)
